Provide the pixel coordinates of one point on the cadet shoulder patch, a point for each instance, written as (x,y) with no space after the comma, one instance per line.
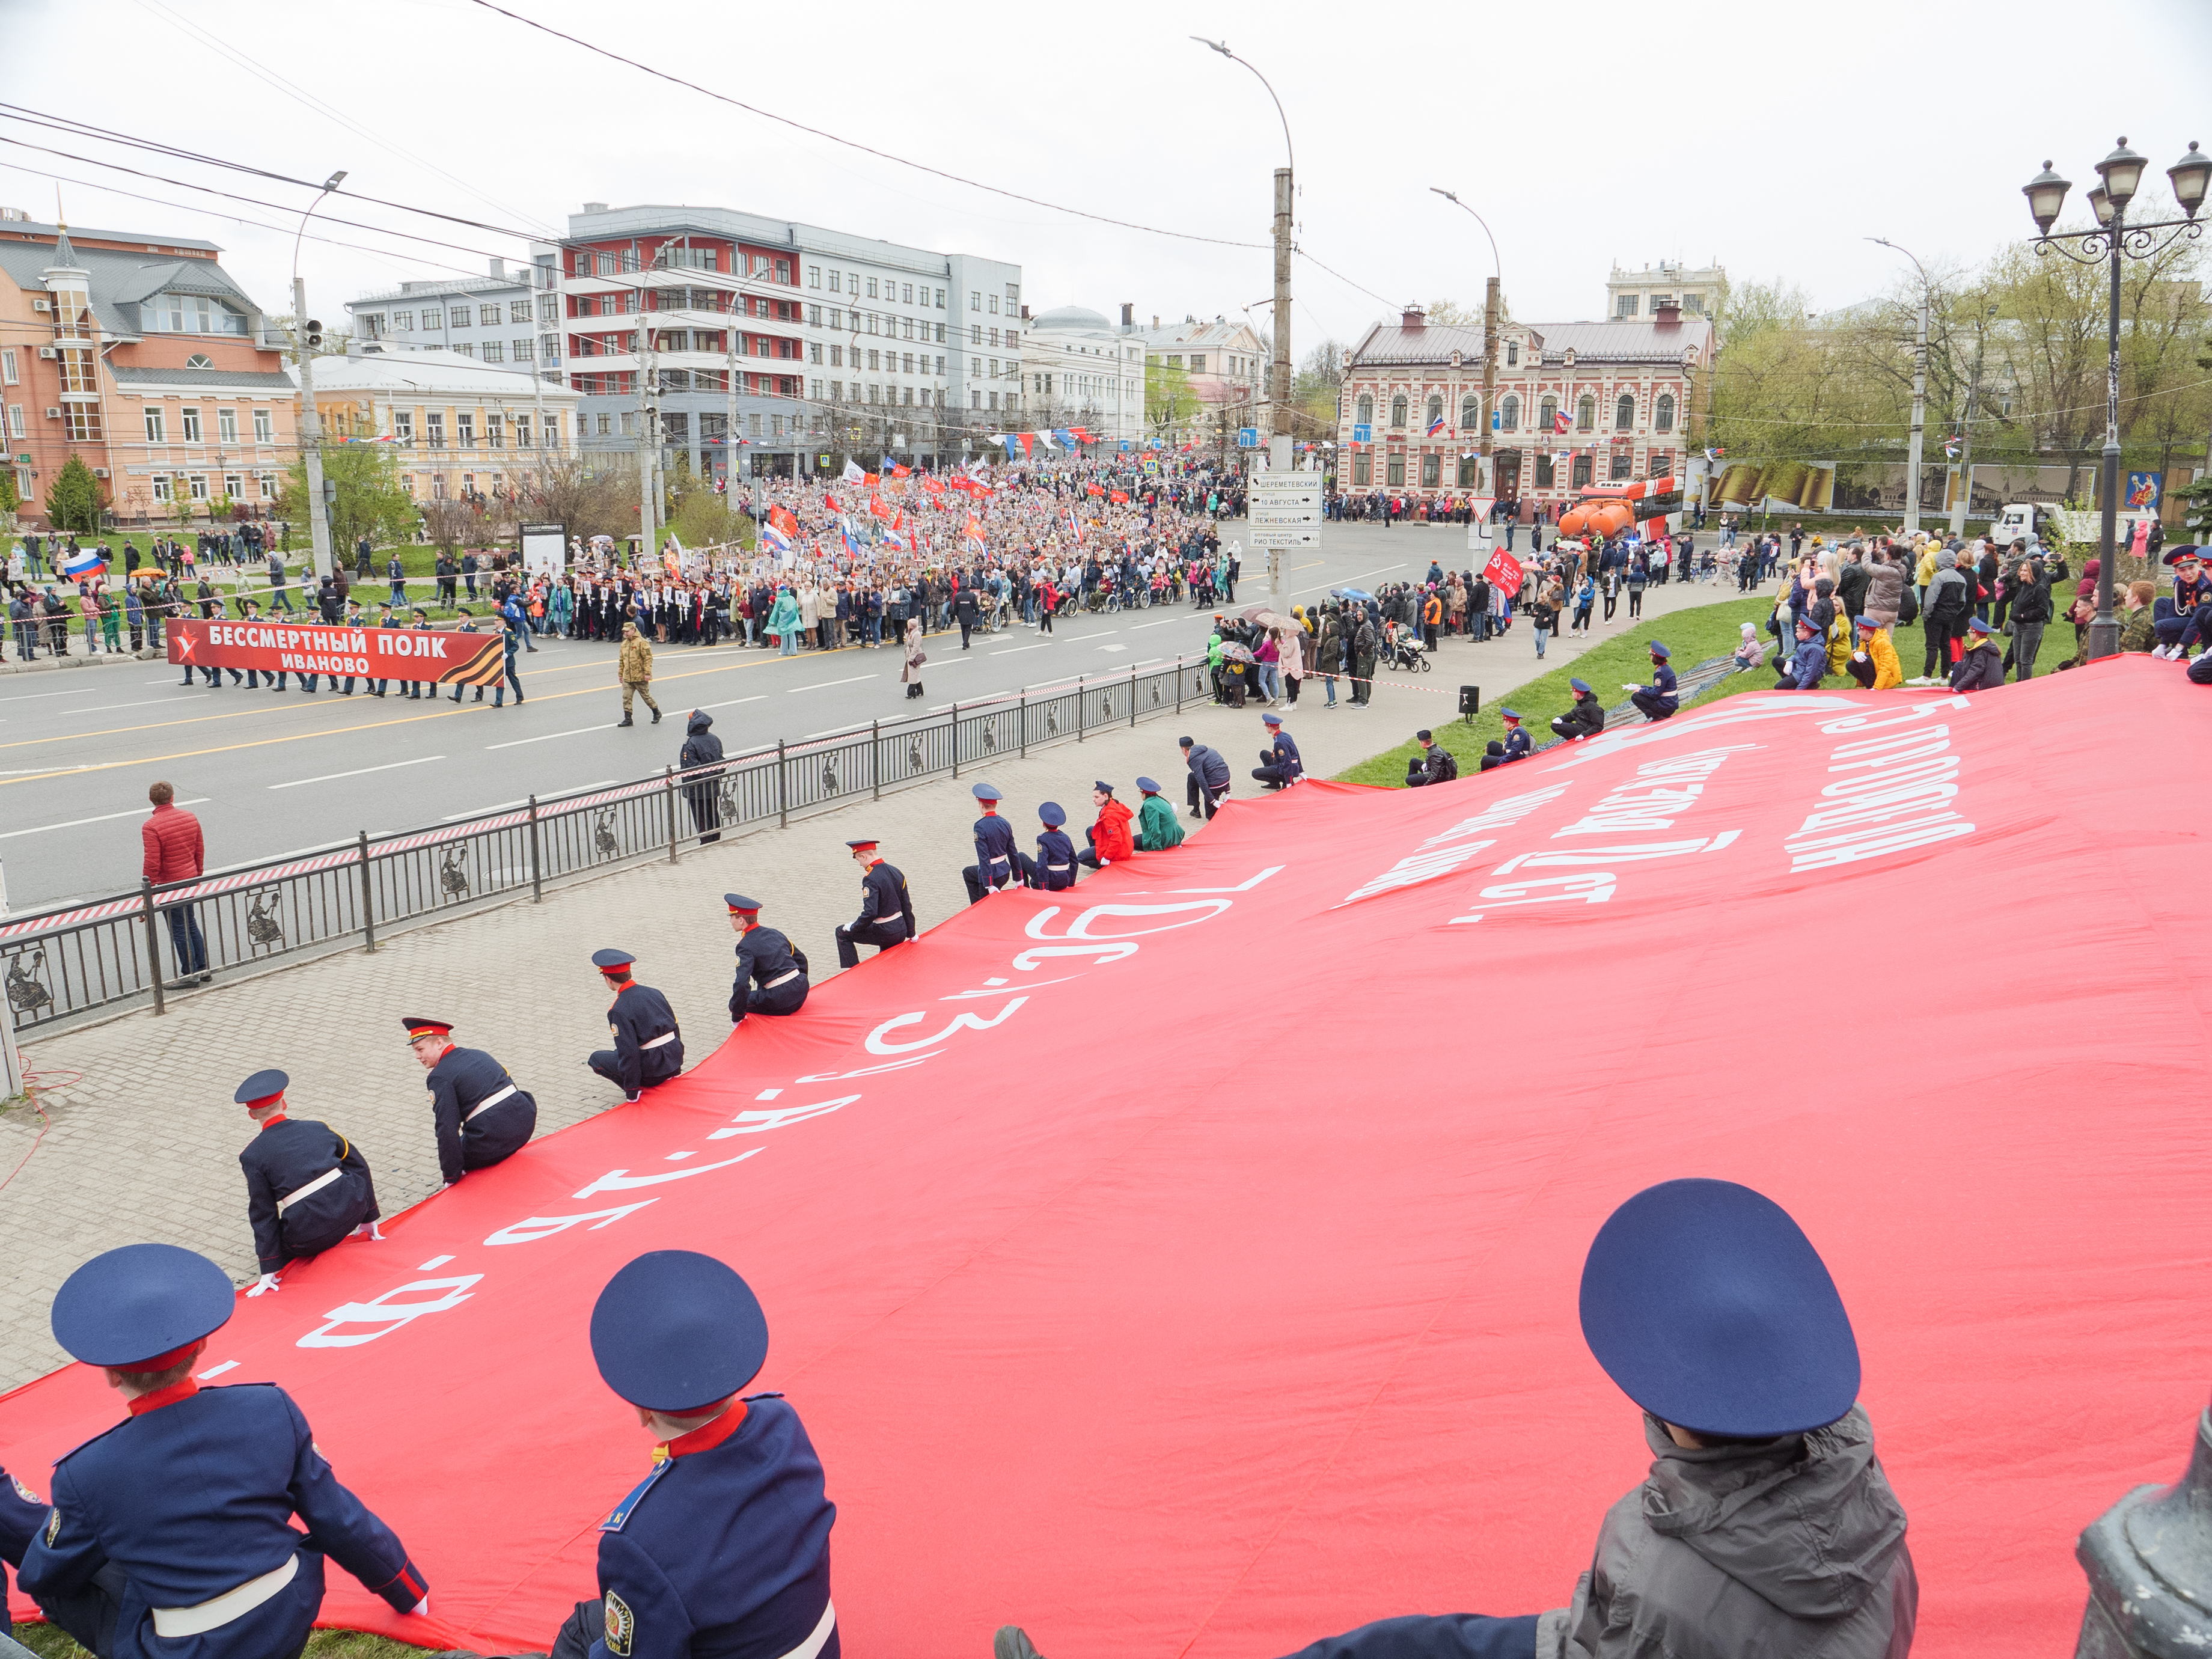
(53,1527)
(24,1492)
(622,1626)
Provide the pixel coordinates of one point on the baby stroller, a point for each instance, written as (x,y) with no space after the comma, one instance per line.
(1403,650)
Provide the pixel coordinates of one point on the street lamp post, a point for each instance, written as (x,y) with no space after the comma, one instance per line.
(1490,307)
(2120,173)
(1918,444)
(305,338)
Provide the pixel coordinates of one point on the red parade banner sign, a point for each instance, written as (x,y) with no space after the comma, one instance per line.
(447,656)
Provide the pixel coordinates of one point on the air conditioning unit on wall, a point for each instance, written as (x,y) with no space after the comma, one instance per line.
(53,413)
(99,472)
(48,353)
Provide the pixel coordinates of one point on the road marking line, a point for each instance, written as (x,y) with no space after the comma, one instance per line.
(734,701)
(1163,622)
(359,771)
(545,737)
(135,812)
(825,685)
(79,691)
(1016,650)
(105,708)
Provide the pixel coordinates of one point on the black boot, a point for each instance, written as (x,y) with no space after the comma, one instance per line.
(656,717)
(627,721)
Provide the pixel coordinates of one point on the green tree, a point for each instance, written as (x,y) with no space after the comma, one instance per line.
(75,498)
(699,517)
(10,501)
(1170,401)
(1315,387)
(369,501)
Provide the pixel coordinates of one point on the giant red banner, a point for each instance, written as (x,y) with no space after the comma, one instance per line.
(1186,1264)
(446,655)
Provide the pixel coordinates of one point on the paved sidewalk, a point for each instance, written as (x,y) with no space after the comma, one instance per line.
(144,1144)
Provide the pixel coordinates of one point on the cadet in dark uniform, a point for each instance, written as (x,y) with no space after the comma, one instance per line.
(480,1114)
(1279,765)
(1517,742)
(886,915)
(993,868)
(1585,716)
(648,1045)
(1054,867)
(176,1524)
(722,1551)
(1656,700)
(307,1186)
(771,970)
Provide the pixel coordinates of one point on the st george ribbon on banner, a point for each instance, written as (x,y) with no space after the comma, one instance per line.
(446,655)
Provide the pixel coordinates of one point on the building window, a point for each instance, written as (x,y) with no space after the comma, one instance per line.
(1694,304)
(402,426)
(1394,472)
(1470,413)
(1543,472)
(225,427)
(524,350)
(814,276)
(156,426)
(9,375)
(488,315)
(1661,464)
(1364,410)
(435,431)
(16,427)
(266,483)
(1582,472)
(1363,471)
(518,310)
(1622,466)
(190,313)
(1547,415)
(458,317)
(199,485)
(464,431)
(550,437)
(1659,300)
(1398,411)
(495,432)
(437,486)
(1509,413)
(1435,410)
(190,418)
(1624,412)
(234,485)
(783,272)
(975,299)
(1625,306)
(1586,414)
(160,481)
(494,351)
(1513,354)
(1469,466)
(403,322)
(264,427)
(434,320)
(1432,471)
(1662,419)
(465,349)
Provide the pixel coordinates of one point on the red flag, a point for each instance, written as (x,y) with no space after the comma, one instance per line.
(1504,571)
(1094,489)
(899,470)
(973,529)
(875,507)
(1118,497)
(870,479)
(1029,442)
(929,483)
(831,501)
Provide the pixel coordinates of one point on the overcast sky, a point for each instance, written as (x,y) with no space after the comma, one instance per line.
(1774,138)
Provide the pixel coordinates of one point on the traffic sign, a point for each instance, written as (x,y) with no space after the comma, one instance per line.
(1248,437)
(1363,433)
(1301,536)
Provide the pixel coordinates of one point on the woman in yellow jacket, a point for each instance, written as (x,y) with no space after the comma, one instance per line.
(1874,665)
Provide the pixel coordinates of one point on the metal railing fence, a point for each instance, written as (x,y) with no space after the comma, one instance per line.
(78,958)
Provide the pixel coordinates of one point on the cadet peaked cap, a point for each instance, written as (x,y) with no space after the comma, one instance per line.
(857,845)
(1869,624)
(419,1025)
(1809,624)
(1513,714)
(1980,624)
(739,905)
(1147,786)
(986,792)
(1271,719)
(1712,1310)
(1053,813)
(141,1302)
(1425,736)
(262,1085)
(1582,686)
(675,1330)
(608,961)
(2176,555)
(1659,650)
(1102,785)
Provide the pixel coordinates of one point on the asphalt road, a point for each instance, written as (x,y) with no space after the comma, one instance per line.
(269,773)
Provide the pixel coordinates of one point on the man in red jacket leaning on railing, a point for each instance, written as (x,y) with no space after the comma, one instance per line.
(175,852)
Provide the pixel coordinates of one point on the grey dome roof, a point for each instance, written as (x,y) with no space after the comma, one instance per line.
(1072,316)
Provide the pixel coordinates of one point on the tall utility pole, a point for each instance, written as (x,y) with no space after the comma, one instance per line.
(304,340)
(648,438)
(1966,431)
(1919,392)
(1279,371)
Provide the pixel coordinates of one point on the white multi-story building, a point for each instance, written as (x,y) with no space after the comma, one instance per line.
(460,429)
(1222,364)
(816,343)
(508,318)
(1078,369)
(1698,293)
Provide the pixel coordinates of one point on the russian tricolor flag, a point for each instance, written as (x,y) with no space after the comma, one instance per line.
(89,562)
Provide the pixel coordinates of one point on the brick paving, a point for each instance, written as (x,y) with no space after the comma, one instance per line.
(143,1144)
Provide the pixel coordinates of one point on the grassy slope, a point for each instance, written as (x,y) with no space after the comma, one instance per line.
(49,1642)
(1694,635)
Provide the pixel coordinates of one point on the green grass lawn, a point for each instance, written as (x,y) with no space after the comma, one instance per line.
(49,1642)
(1709,630)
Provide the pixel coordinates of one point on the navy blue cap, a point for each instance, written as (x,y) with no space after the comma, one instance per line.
(867,841)
(1102,786)
(1869,623)
(139,1303)
(1659,650)
(422,1026)
(1271,719)
(2186,551)
(739,903)
(262,1085)
(985,792)
(1148,785)
(1582,686)
(1980,624)
(1053,813)
(603,960)
(675,1330)
(1712,1310)
(1508,713)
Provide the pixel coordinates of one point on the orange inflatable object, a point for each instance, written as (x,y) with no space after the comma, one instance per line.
(1598,521)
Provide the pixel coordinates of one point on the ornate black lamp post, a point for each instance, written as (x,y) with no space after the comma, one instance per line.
(2121,172)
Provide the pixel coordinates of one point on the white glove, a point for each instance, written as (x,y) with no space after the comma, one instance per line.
(421,1608)
(1630,685)
(266,1282)
(369,1230)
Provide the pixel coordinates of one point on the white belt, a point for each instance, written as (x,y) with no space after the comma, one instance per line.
(663,1039)
(488,1102)
(819,1637)
(174,1623)
(895,916)
(780,979)
(1059,866)
(282,1205)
